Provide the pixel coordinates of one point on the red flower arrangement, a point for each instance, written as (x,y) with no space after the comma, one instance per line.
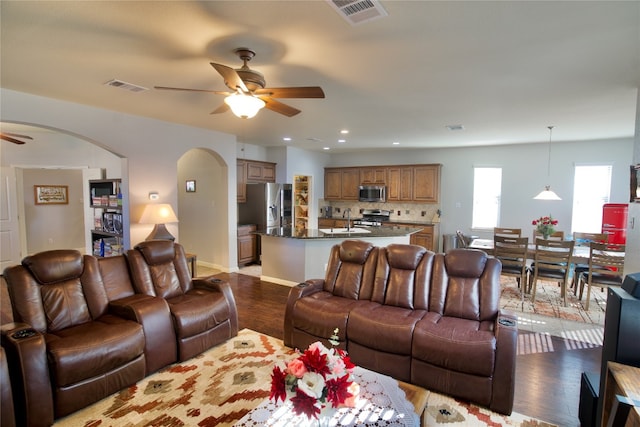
(545,225)
(315,379)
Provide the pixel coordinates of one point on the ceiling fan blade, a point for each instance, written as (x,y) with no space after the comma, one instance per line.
(221,109)
(279,107)
(217,92)
(8,137)
(231,77)
(291,92)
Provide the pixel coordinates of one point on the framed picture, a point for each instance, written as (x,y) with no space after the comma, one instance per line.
(635,184)
(51,194)
(191,186)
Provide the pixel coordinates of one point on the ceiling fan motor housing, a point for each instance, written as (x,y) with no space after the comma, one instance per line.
(251,78)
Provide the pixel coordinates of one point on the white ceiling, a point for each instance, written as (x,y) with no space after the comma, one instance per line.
(505,70)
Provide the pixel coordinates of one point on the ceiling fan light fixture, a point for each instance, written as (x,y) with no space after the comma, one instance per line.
(244,106)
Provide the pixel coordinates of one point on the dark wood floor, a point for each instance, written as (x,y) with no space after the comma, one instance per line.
(547,383)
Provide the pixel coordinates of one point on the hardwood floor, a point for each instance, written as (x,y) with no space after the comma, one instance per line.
(547,381)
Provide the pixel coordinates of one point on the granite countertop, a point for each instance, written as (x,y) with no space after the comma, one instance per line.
(393,231)
(391,221)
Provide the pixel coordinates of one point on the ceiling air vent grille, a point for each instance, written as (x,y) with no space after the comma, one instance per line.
(126,86)
(358,11)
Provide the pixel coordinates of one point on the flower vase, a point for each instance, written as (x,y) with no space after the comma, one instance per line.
(325,419)
(545,236)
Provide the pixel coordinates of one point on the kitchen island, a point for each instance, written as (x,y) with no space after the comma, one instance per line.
(291,256)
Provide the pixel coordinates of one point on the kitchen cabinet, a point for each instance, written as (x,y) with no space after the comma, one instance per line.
(250,171)
(341,183)
(332,223)
(247,244)
(106,233)
(427,237)
(400,184)
(426,183)
(373,175)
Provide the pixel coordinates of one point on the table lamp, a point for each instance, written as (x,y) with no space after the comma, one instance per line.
(158,214)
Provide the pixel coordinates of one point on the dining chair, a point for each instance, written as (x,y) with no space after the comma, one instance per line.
(512,253)
(552,260)
(606,265)
(584,239)
(556,235)
(462,240)
(512,232)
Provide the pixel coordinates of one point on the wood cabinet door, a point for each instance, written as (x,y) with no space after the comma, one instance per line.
(325,222)
(406,184)
(373,175)
(269,173)
(246,249)
(350,184)
(332,184)
(426,183)
(422,238)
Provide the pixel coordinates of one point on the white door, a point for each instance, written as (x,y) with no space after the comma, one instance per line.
(10,250)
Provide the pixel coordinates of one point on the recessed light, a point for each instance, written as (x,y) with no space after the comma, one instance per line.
(326,148)
(344,131)
(395,143)
(342,140)
(286,138)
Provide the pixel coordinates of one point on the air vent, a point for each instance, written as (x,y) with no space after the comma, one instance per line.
(454,128)
(358,11)
(126,86)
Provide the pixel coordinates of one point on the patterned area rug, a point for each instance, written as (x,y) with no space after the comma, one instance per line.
(223,384)
(549,302)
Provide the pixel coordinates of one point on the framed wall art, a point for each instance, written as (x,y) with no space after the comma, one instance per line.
(635,184)
(51,194)
(191,186)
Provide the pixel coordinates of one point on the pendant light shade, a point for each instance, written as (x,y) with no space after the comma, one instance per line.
(244,106)
(547,193)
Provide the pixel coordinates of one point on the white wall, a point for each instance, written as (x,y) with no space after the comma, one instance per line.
(152,148)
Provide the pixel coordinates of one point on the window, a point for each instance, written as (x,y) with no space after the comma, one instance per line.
(591,187)
(487,191)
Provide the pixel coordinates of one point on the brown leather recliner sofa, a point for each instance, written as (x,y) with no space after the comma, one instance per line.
(429,319)
(82,330)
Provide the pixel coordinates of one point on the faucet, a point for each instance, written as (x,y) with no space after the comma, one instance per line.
(348,212)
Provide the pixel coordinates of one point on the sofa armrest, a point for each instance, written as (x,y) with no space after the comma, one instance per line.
(506,332)
(217,285)
(299,291)
(153,314)
(26,352)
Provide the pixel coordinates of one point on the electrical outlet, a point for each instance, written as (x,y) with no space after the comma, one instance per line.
(398,213)
(338,210)
(361,211)
(423,213)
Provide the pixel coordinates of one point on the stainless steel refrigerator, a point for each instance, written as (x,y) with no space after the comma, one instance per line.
(268,206)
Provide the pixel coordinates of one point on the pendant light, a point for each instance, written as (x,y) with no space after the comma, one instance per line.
(547,194)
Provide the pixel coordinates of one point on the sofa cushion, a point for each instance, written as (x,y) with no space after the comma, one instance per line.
(455,344)
(198,311)
(54,266)
(321,313)
(383,327)
(157,251)
(93,349)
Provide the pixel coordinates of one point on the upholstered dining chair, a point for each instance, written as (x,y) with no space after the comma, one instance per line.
(552,260)
(512,253)
(584,239)
(512,232)
(606,265)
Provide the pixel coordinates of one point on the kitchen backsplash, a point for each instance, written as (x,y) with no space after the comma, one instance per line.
(399,211)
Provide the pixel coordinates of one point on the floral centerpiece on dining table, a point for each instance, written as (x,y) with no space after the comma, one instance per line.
(318,378)
(545,225)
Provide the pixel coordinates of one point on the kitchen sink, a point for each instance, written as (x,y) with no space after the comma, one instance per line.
(344,230)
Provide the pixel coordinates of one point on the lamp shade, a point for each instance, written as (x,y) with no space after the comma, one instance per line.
(244,106)
(547,194)
(158,213)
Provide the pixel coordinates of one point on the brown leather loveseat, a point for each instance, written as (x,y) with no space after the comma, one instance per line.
(429,319)
(83,331)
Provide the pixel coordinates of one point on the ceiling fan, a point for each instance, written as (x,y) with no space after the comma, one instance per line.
(249,90)
(13,137)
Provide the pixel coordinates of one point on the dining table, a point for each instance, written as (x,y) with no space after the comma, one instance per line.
(580,253)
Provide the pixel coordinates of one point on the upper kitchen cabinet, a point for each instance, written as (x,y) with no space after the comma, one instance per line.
(373,175)
(251,171)
(426,183)
(341,183)
(400,184)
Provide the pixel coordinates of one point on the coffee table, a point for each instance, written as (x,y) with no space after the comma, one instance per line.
(382,401)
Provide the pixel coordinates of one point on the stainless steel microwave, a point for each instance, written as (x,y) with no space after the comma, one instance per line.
(372,193)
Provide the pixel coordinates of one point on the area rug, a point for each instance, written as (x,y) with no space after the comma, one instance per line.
(549,302)
(220,386)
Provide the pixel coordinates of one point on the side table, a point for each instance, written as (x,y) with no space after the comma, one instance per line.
(192,259)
